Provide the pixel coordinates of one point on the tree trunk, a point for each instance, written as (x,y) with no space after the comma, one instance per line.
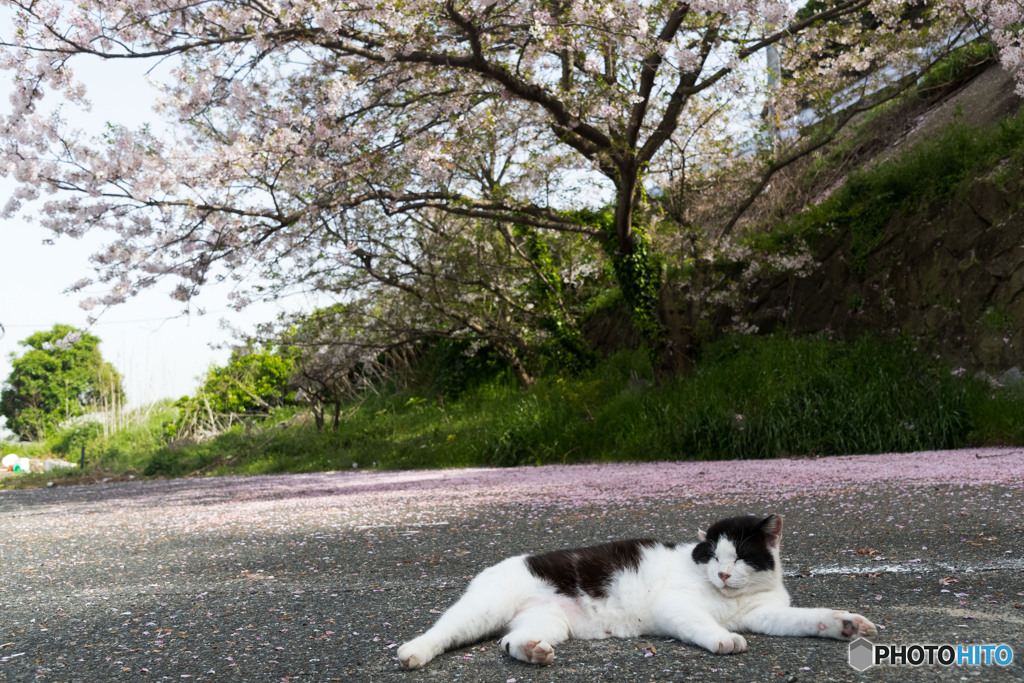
(625,201)
(653,305)
(523,376)
(674,351)
(318,415)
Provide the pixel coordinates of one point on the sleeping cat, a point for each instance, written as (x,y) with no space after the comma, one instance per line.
(702,593)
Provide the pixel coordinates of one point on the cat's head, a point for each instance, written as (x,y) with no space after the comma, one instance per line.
(741,554)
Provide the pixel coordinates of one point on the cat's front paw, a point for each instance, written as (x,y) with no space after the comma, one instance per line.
(847,626)
(415,654)
(532,651)
(539,652)
(730,644)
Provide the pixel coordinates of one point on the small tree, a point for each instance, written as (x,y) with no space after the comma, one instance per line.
(62,375)
(254,382)
(341,352)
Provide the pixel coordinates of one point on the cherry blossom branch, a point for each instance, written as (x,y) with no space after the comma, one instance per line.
(839,123)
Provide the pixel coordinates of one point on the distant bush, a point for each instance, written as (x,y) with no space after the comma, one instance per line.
(254,382)
(60,376)
(72,438)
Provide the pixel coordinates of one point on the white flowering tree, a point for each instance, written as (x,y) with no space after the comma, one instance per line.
(301,133)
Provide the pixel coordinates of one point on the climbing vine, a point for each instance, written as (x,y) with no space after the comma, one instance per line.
(546,289)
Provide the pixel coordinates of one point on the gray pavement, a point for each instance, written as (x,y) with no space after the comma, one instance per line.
(319,577)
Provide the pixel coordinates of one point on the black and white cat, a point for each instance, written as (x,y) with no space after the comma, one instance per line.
(703,593)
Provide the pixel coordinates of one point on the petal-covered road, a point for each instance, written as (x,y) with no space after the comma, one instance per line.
(318,577)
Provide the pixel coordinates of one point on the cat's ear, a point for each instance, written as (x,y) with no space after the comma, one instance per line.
(772,528)
(702,535)
(703,551)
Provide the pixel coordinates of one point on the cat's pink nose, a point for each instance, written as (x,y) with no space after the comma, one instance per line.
(723,576)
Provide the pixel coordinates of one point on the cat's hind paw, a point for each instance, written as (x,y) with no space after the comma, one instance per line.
(730,644)
(847,626)
(414,654)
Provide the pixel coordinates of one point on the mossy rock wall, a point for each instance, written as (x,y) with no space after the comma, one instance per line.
(950,276)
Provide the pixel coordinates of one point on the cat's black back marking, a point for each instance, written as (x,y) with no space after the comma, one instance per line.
(748,535)
(589,570)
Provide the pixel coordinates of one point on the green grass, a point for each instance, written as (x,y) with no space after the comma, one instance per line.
(128,449)
(750,398)
(960,62)
(762,397)
(779,396)
(997,414)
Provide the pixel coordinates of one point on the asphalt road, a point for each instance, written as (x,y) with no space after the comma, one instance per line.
(320,577)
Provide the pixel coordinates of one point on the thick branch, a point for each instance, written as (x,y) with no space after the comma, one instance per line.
(677,102)
(840,10)
(649,71)
(843,118)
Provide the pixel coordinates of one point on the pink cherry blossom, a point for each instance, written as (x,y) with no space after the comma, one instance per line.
(285,124)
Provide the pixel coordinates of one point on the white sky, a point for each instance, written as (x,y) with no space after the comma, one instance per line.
(159,352)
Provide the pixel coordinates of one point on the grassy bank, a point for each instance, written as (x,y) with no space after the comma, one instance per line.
(938,168)
(750,398)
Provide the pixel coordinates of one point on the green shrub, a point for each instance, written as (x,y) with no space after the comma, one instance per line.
(70,440)
(455,366)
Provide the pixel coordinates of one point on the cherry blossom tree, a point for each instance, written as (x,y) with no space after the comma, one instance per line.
(301,133)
